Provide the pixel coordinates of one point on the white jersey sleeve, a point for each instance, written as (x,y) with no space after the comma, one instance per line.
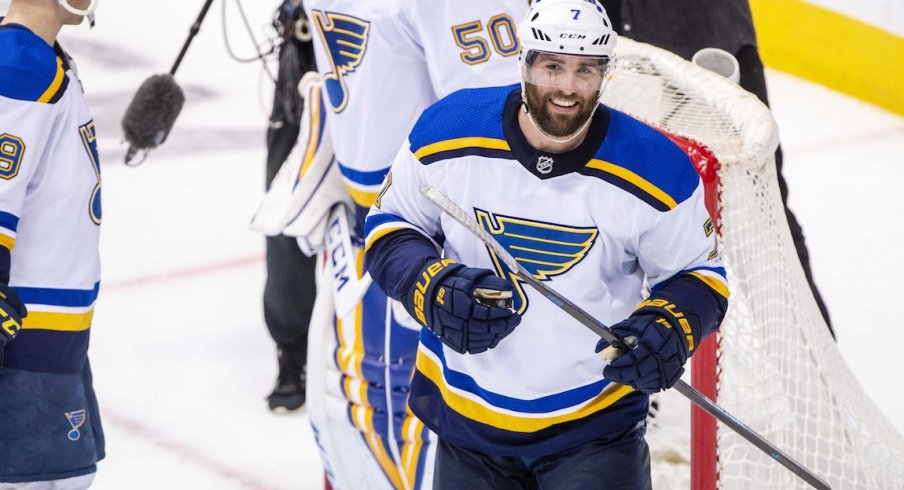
(400,205)
(692,246)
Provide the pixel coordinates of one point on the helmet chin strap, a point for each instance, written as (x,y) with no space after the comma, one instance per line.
(87,12)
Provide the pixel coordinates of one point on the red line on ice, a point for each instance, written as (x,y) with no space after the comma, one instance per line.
(183,451)
(190,272)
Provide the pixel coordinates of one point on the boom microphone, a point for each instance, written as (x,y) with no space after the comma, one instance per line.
(151,115)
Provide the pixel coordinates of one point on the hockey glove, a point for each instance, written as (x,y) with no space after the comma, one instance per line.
(443,299)
(664,339)
(12,311)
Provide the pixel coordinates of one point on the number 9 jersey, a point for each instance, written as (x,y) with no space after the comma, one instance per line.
(50,218)
(50,210)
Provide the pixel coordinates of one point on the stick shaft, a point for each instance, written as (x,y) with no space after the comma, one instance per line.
(600,329)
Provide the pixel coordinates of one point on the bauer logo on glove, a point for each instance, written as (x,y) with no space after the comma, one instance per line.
(469,309)
(12,311)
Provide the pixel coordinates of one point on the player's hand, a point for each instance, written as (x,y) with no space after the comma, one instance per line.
(663,344)
(468,309)
(12,311)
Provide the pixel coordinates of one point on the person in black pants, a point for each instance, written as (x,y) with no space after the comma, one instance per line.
(290,288)
(688,26)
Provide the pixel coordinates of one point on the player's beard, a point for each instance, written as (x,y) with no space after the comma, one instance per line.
(558,125)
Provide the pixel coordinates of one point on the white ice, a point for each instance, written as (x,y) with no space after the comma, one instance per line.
(181,357)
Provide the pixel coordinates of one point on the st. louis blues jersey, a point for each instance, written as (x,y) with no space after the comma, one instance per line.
(594,223)
(376,56)
(50,209)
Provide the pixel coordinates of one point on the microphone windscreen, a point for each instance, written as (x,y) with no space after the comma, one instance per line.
(152,113)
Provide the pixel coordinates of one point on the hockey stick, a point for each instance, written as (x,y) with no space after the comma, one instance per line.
(598,328)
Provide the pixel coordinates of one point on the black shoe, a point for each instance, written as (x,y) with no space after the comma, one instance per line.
(289,393)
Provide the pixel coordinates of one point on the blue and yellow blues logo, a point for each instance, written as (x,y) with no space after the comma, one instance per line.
(89,139)
(76,419)
(345,40)
(545,250)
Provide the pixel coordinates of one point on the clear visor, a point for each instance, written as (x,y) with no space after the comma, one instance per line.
(565,71)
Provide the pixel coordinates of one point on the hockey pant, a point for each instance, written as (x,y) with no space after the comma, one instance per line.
(50,429)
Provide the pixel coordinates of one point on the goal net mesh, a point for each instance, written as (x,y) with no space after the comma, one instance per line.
(779,370)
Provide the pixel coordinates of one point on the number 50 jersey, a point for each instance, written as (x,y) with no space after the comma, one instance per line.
(384,61)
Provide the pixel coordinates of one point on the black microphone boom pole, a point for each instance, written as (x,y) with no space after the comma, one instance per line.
(155,106)
(191,35)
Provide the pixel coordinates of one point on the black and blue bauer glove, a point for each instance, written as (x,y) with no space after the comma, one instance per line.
(469,309)
(663,339)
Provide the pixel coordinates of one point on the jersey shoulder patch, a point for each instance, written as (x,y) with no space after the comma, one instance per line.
(30,70)
(468,120)
(641,160)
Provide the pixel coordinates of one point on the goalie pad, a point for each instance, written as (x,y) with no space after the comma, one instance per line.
(308,184)
(359,367)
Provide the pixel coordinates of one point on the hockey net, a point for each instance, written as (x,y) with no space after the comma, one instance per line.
(773,364)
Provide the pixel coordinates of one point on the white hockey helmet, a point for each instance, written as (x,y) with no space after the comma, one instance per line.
(576,27)
(86,12)
(567,45)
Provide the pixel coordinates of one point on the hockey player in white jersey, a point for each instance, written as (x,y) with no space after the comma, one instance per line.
(50,213)
(381,62)
(583,196)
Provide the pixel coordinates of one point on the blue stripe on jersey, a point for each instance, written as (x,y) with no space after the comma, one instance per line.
(374,177)
(9,221)
(546,404)
(453,427)
(650,155)
(58,297)
(47,350)
(462,114)
(28,66)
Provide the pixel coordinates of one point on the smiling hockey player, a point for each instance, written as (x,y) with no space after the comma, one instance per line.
(583,196)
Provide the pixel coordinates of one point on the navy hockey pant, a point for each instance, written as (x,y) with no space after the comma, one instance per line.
(620,460)
(50,427)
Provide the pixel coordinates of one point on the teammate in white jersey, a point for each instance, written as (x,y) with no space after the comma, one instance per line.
(50,213)
(584,197)
(381,63)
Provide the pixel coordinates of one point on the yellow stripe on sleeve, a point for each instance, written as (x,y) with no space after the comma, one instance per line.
(635,179)
(55,84)
(362,198)
(378,235)
(7,242)
(715,284)
(459,143)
